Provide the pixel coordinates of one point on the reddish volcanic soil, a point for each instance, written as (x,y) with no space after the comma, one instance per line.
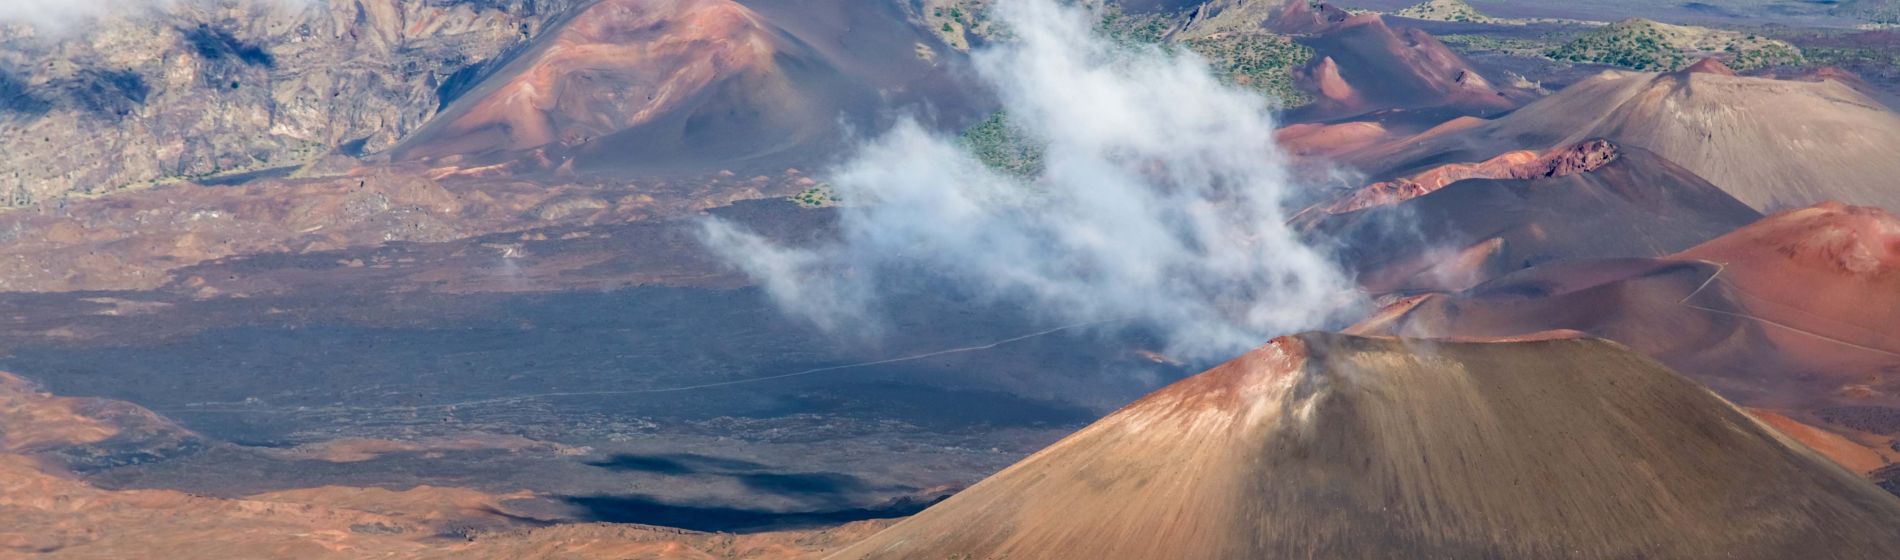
(49,513)
(1561,162)
(82,431)
(1793,313)
(53,516)
(683,86)
(1331,87)
(1827,276)
(1710,66)
(1846,452)
(1309,139)
(1338,446)
(614,65)
(1364,65)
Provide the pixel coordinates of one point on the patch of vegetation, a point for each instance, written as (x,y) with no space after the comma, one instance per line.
(1256,60)
(1872,62)
(1444,10)
(1763,55)
(1485,43)
(1003,146)
(1638,48)
(1259,61)
(1126,29)
(1646,45)
(957,21)
(1851,56)
(819,196)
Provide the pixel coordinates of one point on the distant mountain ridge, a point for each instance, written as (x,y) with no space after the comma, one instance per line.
(204,88)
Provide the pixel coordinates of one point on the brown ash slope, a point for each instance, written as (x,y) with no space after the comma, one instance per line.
(1828,268)
(689,86)
(1336,446)
(1773,144)
(225,90)
(1456,225)
(1792,313)
(1362,67)
(1367,68)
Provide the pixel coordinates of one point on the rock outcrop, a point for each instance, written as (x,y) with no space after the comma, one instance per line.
(202,88)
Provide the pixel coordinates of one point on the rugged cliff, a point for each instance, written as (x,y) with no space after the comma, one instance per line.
(204,88)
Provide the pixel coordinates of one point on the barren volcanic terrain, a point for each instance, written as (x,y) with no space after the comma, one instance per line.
(693,279)
(1332,445)
(680,86)
(1781,314)
(1453,226)
(1773,144)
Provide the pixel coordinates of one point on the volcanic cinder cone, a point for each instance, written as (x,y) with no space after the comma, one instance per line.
(1454,226)
(1827,276)
(1773,144)
(1367,66)
(1793,312)
(1334,446)
(669,86)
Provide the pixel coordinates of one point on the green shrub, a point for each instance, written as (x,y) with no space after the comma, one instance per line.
(1260,61)
(1003,147)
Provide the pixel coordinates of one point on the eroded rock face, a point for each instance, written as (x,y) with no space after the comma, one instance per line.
(206,87)
(1582,157)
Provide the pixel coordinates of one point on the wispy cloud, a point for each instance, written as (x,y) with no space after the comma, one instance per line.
(1161,200)
(59,14)
(68,15)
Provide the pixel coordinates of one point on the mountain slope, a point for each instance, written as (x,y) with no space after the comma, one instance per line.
(1649,45)
(1366,65)
(689,86)
(203,88)
(1335,446)
(1793,313)
(1829,270)
(1773,144)
(1456,225)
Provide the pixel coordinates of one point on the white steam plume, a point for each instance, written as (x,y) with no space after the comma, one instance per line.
(1160,201)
